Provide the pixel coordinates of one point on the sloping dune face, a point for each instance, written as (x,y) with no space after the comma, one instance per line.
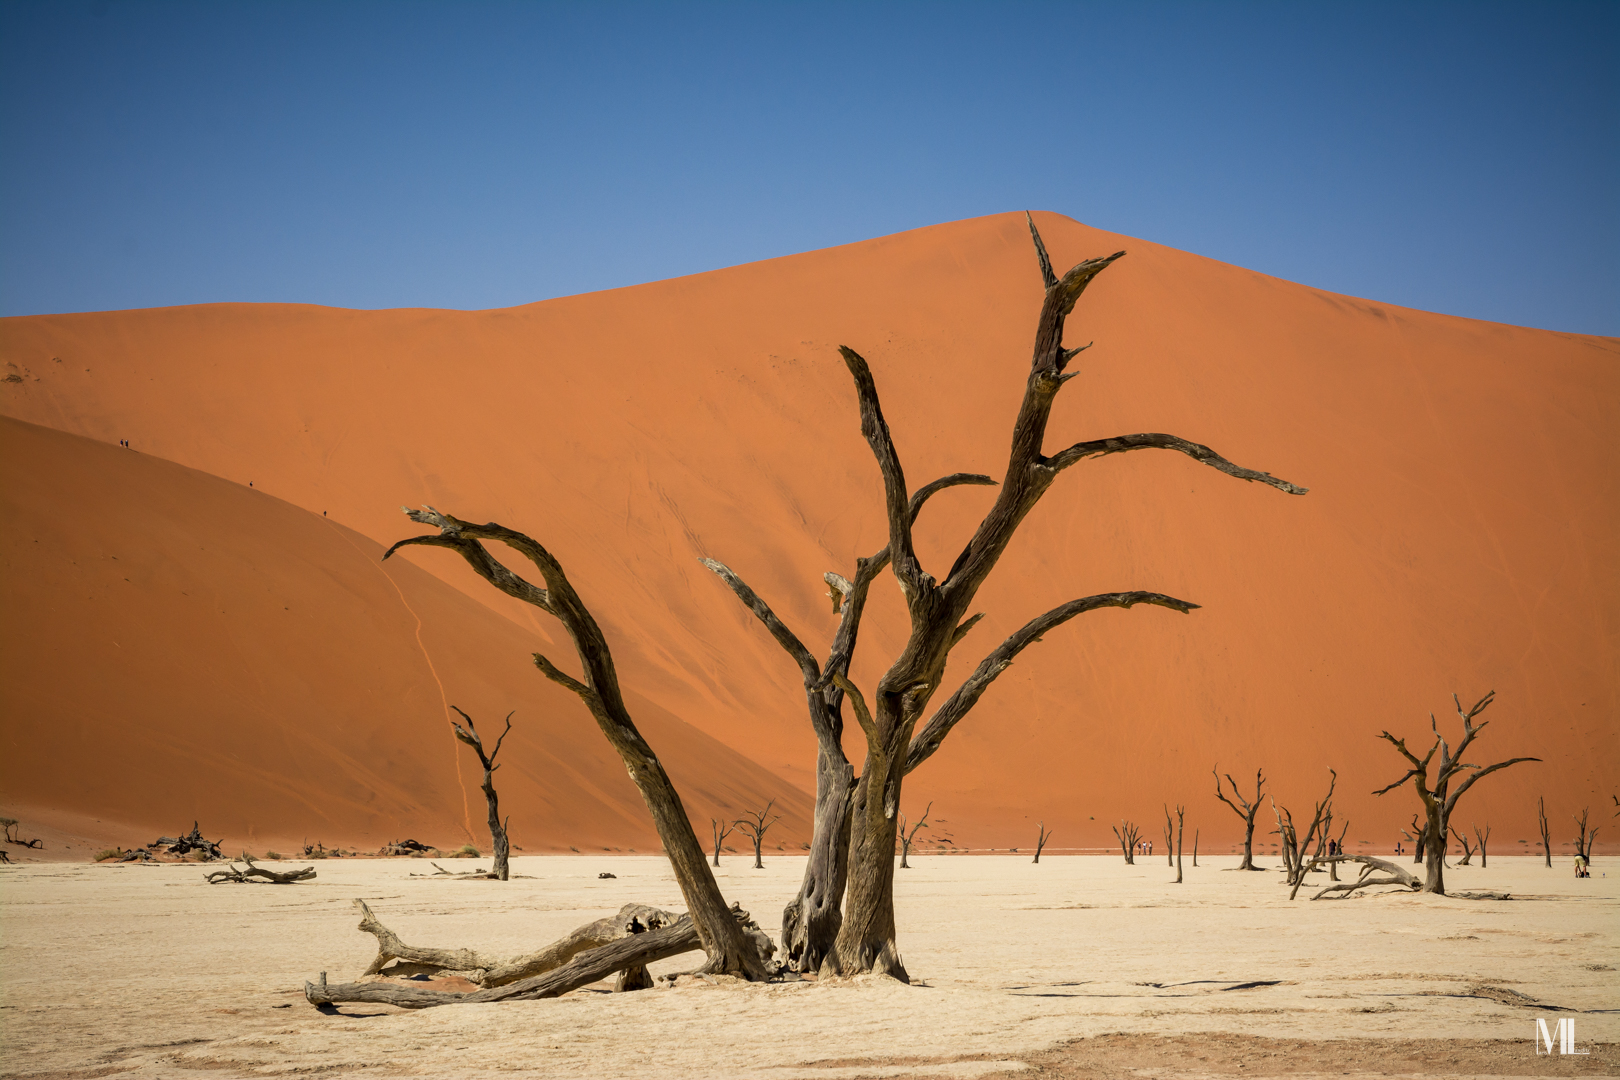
(1458,534)
(180,647)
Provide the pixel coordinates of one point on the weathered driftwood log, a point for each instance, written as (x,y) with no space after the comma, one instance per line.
(629,953)
(256,873)
(394,957)
(1396,876)
(475,874)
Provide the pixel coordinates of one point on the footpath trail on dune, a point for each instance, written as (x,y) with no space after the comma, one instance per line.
(1458,535)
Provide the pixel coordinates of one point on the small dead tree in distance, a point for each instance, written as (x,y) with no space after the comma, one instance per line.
(1244,809)
(1041,840)
(1462,842)
(1169,838)
(1181,816)
(1482,837)
(722,829)
(907,837)
(754,826)
(1129,836)
(497,828)
(1546,838)
(1586,837)
(1441,798)
(938,609)
(729,949)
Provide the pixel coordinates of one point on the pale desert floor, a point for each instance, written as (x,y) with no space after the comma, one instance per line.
(147,971)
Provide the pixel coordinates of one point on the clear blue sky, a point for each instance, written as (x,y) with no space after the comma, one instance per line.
(1462,158)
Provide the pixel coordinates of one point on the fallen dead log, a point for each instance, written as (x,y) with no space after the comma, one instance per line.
(636,950)
(192,841)
(395,957)
(404,847)
(1394,875)
(475,874)
(258,874)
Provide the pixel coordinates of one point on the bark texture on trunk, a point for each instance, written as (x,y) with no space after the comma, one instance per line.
(728,948)
(1440,798)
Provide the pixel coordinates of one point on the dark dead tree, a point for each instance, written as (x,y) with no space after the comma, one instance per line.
(1181,816)
(258,874)
(811,921)
(722,829)
(908,837)
(12,836)
(497,827)
(1585,838)
(1298,858)
(1129,836)
(1244,809)
(1195,848)
(1041,840)
(1333,868)
(1169,838)
(1546,838)
(1419,835)
(754,826)
(1482,837)
(1440,798)
(938,609)
(729,949)
(1462,842)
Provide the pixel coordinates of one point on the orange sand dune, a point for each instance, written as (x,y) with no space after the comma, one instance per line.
(1458,534)
(181,647)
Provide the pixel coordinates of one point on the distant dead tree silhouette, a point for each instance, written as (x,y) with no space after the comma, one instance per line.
(1169,838)
(754,826)
(497,828)
(906,838)
(1296,850)
(718,930)
(1129,836)
(1462,842)
(1181,814)
(1041,840)
(1195,847)
(1585,838)
(1546,839)
(721,829)
(1440,799)
(1244,809)
(938,610)
(1483,837)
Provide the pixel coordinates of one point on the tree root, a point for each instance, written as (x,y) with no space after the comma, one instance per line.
(258,874)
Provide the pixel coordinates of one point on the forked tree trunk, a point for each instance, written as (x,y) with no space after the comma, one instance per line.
(1244,809)
(755,826)
(497,828)
(1169,838)
(1040,841)
(729,949)
(721,830)
(1484,860)
(1129,836)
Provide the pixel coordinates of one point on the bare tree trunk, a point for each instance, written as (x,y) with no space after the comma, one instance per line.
(497,828)
(1587,837)
(1244,809)
(721,830)
(1484,861)
(1040,841)
(1195,848)
(1462,842)
(907,838)
(1169,838)
(1181,814)
(1546,839)
(729,949)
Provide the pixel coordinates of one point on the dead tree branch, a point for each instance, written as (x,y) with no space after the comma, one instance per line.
(257,873)
(754,827)
(1244,809)
(1394,875)
(721,830)
(728,949)
(1041,841)
(907,838)
(1129,836)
